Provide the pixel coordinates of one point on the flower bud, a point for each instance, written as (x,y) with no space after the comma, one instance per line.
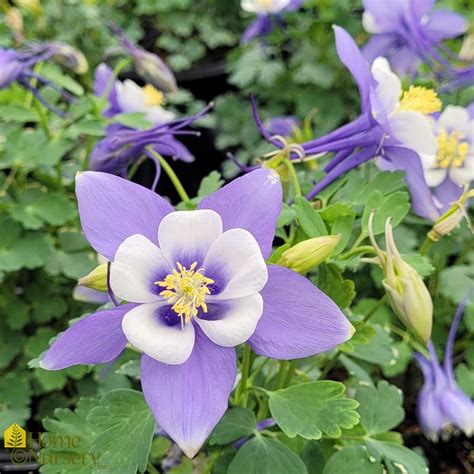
(69,57)
(451,218)
(14,21)
(96,279)
(308,254)
(407,294)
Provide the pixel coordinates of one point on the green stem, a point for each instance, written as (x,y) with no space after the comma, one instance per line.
(241,395)
(171,175)
(151,469)
(289,373)
(294,177)
(356,251)
(135,167)
(281,374)
(358,241)
(425,246)
(375,307)
(329,365)
(406,336)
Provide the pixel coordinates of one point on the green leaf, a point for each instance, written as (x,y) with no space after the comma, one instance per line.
(331,281)
(313,409)
(15,395)
(236,423)
(420,263)
(309,219)
(354,460)
(266,456)
(465,378)
(378,350)
(397,458)
(386,182)
(455,282)
(126,427)
(210,184)
(380,407)
(364,332)
(394,205)
(18,113)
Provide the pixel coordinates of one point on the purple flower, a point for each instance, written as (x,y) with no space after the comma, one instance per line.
(267,11)
(393,126)
(17,66)
(408,31)
(442,405)
(89,295)
(148,65)
(284,125)
(122,145)
(451,166)
(197,285)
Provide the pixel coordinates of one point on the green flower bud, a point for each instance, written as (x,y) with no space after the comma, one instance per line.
(69,57)
(308,254)
(407,294)
(451,218)
(96,279)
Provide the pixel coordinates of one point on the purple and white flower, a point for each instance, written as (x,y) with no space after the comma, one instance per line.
(408,31)
(267,12)
(442,406)
(196,285)
(451,166)
(393,126)
(122,145)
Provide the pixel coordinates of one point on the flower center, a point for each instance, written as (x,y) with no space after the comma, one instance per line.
(420,99)
(153,97)
(186,290)
(451,150)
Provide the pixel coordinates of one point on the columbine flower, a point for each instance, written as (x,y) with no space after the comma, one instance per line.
(197,285)
(407,31)
(404,287)
(267,11)
(148,65)
(442,405)
(451,166)
(17,66)
(123,144)
(393,126)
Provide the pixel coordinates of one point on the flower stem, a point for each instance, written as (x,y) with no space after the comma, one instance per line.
(171,175)
(294,177)
(375,307)
(425,246)
(241,395)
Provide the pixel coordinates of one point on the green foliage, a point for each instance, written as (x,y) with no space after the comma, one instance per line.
(313,409)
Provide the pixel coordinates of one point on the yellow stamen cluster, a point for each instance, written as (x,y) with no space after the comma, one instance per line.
(153,97)
(186,289)
(420,99)
(451,151)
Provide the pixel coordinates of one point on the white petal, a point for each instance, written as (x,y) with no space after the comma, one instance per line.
(138,263)
(435,176)
(130,97)
(146,329)
(185,236)
(229,323)
(236,265)
(455,118)
(389,86)
(464,174)
(413,130)
(369,23)
(264,7)
(158,115)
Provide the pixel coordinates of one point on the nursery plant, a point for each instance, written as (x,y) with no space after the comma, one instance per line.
(235,237)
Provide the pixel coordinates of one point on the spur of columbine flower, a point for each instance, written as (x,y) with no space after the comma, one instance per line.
(123,145)
(284,125)
(407,32)
(442,406)
(148,65)
(196,285)
(404,287)
(393,126)
(268,12)
(18,66)
(451,166)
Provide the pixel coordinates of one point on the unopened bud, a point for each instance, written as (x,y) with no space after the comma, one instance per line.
(308,254)
(69,57)
(407,294)
(96,279)
(451,218)
(14,21)
(467,49)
